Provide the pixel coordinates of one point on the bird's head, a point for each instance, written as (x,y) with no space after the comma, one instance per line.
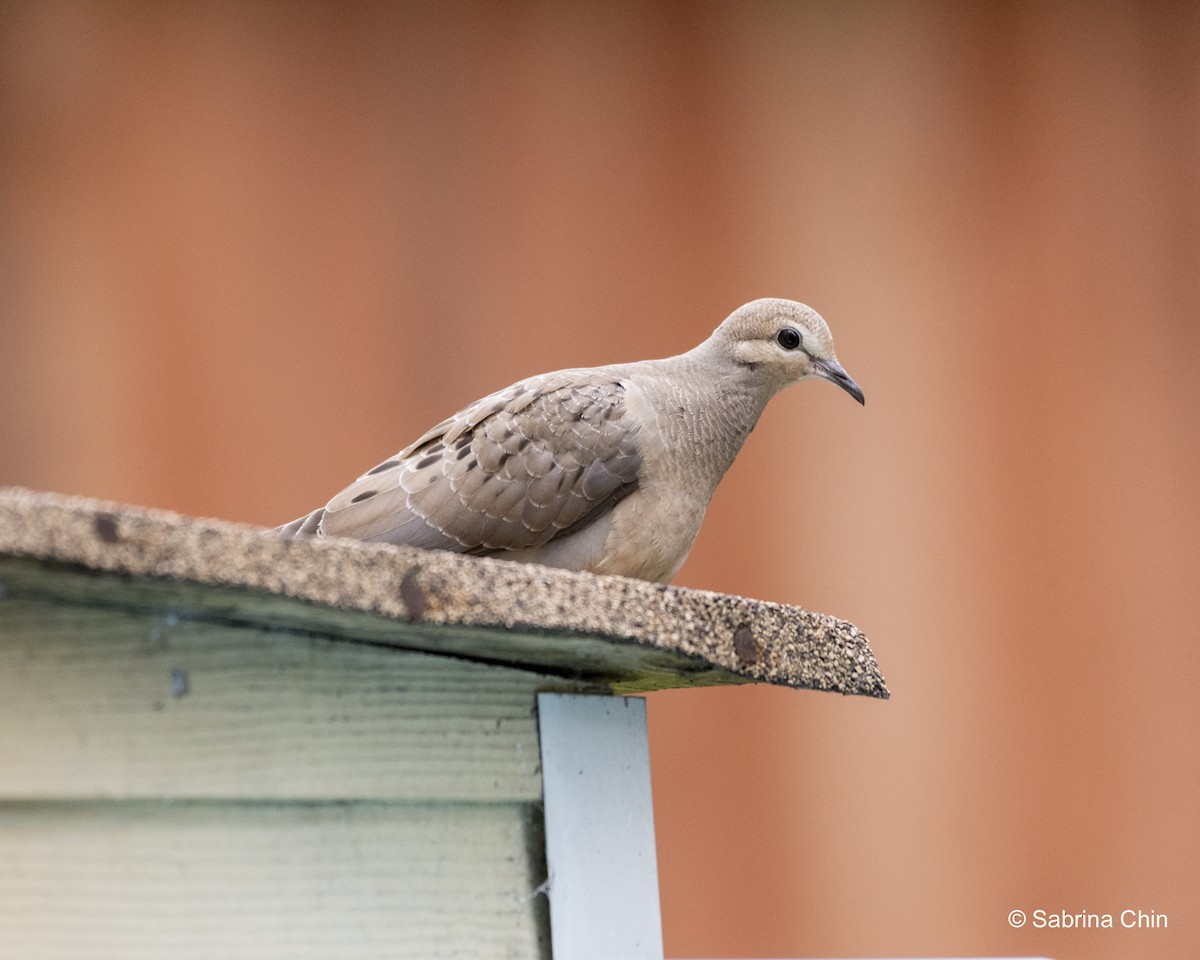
(782,342)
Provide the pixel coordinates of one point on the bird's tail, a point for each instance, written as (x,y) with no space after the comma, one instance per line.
(307,526)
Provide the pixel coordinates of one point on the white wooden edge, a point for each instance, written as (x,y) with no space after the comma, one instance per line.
(603,869)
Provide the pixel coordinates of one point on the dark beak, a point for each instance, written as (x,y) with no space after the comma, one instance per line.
(834,372)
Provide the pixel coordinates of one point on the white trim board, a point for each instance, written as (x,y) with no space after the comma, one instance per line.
(603,869)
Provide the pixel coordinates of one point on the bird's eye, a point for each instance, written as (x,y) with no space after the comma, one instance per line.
(788,338)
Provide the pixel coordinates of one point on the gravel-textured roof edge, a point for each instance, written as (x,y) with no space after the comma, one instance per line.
(753,640)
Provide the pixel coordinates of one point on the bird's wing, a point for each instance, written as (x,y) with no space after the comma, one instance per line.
(514,470)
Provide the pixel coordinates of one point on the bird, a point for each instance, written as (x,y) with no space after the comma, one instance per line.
(605,469)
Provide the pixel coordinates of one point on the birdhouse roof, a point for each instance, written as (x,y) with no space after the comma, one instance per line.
(624,635)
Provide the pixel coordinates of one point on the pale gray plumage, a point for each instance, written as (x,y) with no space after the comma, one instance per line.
(607,469)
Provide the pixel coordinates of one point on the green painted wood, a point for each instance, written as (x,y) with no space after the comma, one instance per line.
(111,703)
(144,881)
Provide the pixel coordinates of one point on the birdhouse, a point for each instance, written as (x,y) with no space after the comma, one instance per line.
(215,742)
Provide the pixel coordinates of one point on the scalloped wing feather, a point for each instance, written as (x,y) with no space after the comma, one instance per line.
(512,471)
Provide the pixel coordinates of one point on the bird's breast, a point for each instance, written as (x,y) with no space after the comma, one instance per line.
(650,535)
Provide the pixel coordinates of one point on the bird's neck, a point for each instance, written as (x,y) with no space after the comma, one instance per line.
(708,408)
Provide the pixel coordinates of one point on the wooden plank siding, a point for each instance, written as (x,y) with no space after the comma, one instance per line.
(244,880)
(128,705)
(183,788)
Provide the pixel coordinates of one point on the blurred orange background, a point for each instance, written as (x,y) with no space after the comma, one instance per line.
(248,250)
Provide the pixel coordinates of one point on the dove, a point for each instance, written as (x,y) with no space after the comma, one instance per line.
(604,469)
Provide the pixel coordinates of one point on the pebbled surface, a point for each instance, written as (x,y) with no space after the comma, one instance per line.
(623,634)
